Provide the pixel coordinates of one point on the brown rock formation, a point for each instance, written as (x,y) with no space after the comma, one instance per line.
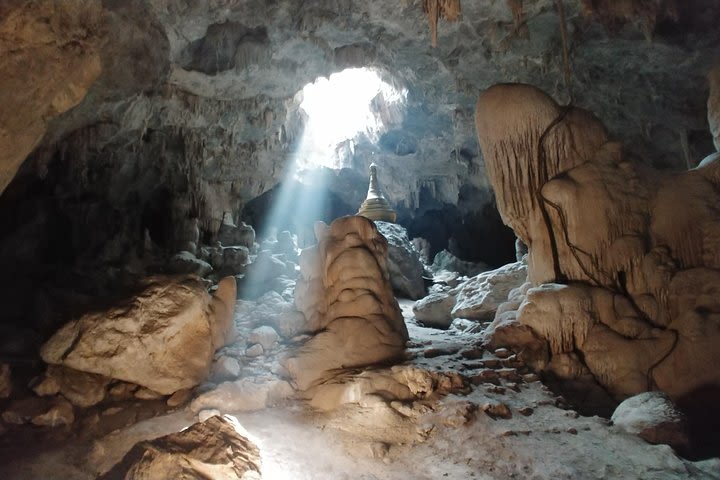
(163,338)
(347,300)
(48,60)
(638,248)
(215,448)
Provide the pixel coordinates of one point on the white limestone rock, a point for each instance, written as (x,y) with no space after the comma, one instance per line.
(265,336)
(479,297)
(653,417)
(244,395)
(434,310)
(225,368)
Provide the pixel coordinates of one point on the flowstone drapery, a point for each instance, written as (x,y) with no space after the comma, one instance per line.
(630,256)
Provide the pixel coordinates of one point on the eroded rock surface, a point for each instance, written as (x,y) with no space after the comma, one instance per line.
(634,249)
(345,295)
(404,265)
(216,448)
(163,338)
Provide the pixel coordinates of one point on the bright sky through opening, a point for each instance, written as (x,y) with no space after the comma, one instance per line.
(338,109)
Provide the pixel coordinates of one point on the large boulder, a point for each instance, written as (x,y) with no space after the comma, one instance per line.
(434,310)
(163,338)
(235,235)
(346,298)
(653,417)
(404,265)
(479,297)
(446,261)
(635,249)
(216,448)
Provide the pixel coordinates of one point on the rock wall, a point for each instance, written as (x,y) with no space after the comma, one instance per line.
(635,248)
(347,300)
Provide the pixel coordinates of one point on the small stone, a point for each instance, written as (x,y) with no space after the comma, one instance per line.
(526,411)
(265,336)
(147,394)
(472,354)
(495,389)
(572,431)
(502,353)
(509,374)
(492,363)
(531,377)
(254,351)
(122,391)
(5,381)
(497,410)
(180,397)
(205,414)
(438,352)
(513,386)
(60,413)
(111,411)
(225,368)
(47,387)
(484,376)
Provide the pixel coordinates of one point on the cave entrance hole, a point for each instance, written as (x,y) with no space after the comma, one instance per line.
(348,108)
(341,109)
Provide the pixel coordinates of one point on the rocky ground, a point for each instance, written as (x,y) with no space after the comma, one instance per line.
(499,422)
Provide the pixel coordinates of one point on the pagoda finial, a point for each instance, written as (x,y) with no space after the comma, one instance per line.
(375,206)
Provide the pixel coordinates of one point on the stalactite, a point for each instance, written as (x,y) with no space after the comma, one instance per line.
(435,10)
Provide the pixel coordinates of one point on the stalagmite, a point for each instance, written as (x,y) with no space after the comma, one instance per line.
(348,304)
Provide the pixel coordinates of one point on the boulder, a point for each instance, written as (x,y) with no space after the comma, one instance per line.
(446,261)
(163,338)
(479,297)
(653,417)
(50,412)
(272,309)
(236,235)
(187,263)
(244,395)
(265,336)
(434,310)
(225,368)
(216,448)
(347,300)
(262,275)
(404,265)
(81,388)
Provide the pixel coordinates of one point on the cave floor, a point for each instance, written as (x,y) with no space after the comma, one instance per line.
(456,439)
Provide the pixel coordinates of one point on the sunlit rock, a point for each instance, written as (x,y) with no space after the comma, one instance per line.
(216,448)
(163,338)
(346,298)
